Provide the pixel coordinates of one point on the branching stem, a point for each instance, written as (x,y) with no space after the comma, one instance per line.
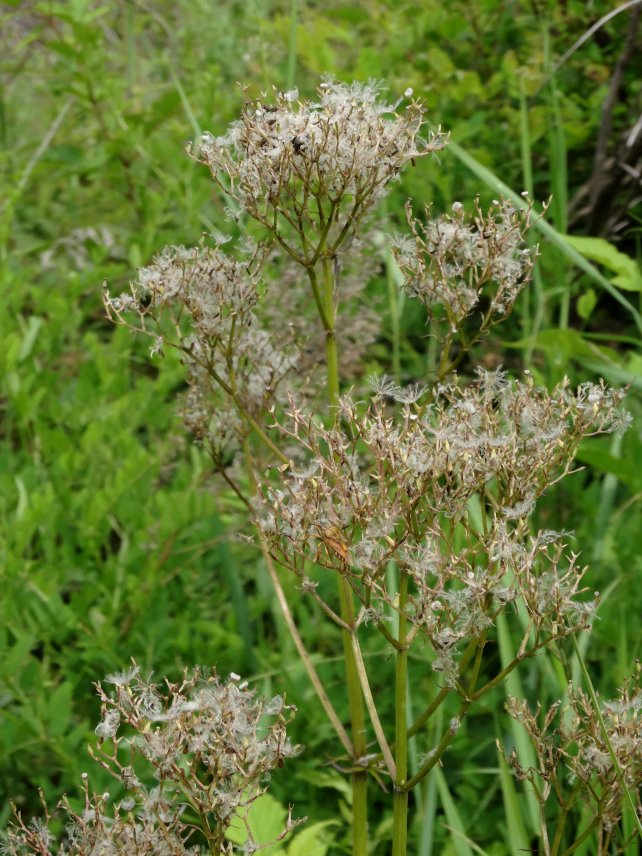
(400,809)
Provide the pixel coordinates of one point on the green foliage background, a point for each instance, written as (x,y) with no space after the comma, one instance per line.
(113,542)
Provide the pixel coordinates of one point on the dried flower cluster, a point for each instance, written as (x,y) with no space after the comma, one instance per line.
(600,756)
(203,303)
(212,745)
(309,172)
(376,487)
(457,265)
(306,159)
(240,356)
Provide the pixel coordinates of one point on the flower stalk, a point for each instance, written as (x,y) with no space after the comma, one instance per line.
(400,806)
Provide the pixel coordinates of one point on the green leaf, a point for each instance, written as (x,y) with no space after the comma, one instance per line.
(59,710)
(593,453)
(266,819)
(614,374)
(586,304)
(328,779)
(565,344)
(15,658)
(440,62)
(460,838)
(312,841)
(628,273)
(31,334)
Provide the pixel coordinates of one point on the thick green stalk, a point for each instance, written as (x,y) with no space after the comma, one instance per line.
(358,727)
(400,821)
(355,698)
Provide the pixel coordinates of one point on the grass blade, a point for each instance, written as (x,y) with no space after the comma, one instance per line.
(523,747)
(460,839)
(294,25)
(517,836)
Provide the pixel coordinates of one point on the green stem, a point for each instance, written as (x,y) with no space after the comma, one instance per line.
(323,238)
(441,695)
(510,667)
(561,823)
(303,653)
(400,810)
(387,635)
(450,732)
(294,24)
(372,708)
(358,727)
(331,351)
(423,718)
(318,297)
(355,698)
(438,751)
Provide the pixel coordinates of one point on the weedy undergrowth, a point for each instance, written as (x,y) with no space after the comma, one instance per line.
(351,481)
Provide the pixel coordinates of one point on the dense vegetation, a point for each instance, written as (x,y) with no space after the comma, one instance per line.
(116,543)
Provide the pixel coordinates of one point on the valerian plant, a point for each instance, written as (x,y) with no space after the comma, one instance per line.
(388,478)
(211,746)
(598,751)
